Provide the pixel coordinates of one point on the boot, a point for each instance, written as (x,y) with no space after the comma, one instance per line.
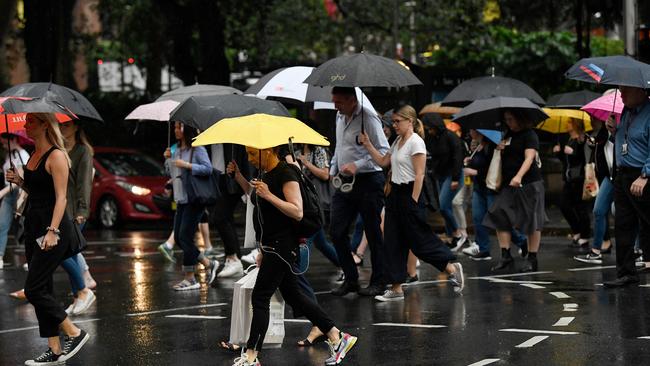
(506,260)
(531,263)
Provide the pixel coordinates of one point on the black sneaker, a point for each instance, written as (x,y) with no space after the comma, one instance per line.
(411,279)
(372,290)
(591,258)
(72,345)
(46,358)
(481,256)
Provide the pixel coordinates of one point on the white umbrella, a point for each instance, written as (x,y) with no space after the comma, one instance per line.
(156,111)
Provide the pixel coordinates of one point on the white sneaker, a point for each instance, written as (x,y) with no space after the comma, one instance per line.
(417,263)
(472,249)
(81,306)
(69,310)
(26,267)
(390,295)
(457,243)
(2,263)
(251,257)
(232,268)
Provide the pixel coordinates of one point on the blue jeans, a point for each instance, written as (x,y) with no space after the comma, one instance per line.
(325,246)
(446,197)
(482,199)
(187,218)
(7,208)
(602,206)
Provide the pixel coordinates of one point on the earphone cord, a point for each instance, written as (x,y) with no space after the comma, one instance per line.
(267,249)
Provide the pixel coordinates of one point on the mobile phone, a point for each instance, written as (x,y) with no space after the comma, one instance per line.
(39,241)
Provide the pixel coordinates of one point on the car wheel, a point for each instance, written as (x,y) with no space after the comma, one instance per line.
(108,213)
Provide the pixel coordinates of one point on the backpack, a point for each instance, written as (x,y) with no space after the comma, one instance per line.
(312,220)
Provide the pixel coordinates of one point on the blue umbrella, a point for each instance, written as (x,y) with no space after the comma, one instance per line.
(492,135)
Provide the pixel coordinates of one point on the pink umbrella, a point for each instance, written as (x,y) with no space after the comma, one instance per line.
(604,106)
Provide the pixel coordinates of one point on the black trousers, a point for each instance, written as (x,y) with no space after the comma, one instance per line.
(39,286)
(274,273)
(575,210)
(632,213)
(367,199)
(221,214)
(405,227)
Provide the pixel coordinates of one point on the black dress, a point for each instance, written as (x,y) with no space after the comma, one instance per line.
(42,264)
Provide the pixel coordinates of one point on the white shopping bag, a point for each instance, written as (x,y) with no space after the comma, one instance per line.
(242,314)
(249,233)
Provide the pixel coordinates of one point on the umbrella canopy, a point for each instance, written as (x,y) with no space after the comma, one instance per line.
(613,70)
(489,87)
(492,135)
(573,100)
(261,131)
(17,106)
(15,122)
(438,108)
(203,112)
(72,99)
(488,113)
(156,111)
(558,121)
(605,106)
(362,70)
(196,90)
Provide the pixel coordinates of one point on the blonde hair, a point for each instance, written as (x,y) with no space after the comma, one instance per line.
(83,139)
(409,113)
(53,133)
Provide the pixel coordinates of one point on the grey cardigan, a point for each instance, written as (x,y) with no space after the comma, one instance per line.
(80,181)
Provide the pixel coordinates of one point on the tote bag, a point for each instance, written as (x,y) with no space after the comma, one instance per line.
(493,179)
(590,187)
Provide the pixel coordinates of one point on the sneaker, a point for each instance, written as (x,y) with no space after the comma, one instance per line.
(251,257)
(70,309)
(481,256)
(214,267)
(341,277)
(186,285)
(72,345)
(167,253)
(81,306)
(417,263)
(457,278)
(46,358)
(243,361)
(472,249)
(338,351)
(26,267)
(232,268)
(90,281)
(457,243)
(411,279)
(390,295)
(591,258)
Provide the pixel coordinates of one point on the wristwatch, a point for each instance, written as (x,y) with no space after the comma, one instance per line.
(644,175)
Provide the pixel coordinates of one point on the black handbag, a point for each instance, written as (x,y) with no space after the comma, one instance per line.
(201,189)
(78,242)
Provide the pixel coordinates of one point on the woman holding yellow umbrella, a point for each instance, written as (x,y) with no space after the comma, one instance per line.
(279,207)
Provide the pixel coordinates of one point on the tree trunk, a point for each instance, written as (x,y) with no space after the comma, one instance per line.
(179,23)
(48,27)
(7,13)
(214,68)
(578,17)
(153,60)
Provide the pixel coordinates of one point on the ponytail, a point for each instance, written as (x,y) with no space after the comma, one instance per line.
(418,127)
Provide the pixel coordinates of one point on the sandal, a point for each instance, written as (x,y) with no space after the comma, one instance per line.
(307,343)
(358,259)
(230,347)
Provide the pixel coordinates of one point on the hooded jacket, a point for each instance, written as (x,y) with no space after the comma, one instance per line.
(445,148)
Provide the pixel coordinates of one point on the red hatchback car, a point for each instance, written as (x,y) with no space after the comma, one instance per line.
(128,186)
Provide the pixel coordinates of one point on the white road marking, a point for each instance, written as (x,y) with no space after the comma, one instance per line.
(570,307)
(323,292)
(510,275)
(644,285)
(557,332)
(531,285)
(487,361)
(564,321)
(407,325)
(424,282)
(560,295)
(176,309)
(296,321)
(188,316)
(644,337)
(589,268)
(531,342)
(499,280)
(36,327)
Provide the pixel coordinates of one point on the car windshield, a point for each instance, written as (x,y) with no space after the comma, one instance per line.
(130,164)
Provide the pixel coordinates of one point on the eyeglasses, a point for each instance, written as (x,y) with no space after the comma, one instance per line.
(397,121)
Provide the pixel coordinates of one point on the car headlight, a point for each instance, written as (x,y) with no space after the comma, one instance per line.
(137,190)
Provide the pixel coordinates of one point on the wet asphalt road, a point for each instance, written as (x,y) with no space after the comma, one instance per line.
(560,316)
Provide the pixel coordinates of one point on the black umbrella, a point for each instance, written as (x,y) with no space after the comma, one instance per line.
(72,99)
(362,70)
(197,90)
(488,113)
(576,99)
(489,87)
(203,112)
(613,70)
(35,105)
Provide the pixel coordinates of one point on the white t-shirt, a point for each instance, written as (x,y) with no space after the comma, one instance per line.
(401,158)
(18,158)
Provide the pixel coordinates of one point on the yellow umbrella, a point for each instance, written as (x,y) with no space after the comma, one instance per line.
(559,120)
(261,131)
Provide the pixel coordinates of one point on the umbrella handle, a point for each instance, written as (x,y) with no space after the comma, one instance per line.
(363,130)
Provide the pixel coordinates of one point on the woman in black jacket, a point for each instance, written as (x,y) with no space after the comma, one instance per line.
(573,207)
(447,155)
